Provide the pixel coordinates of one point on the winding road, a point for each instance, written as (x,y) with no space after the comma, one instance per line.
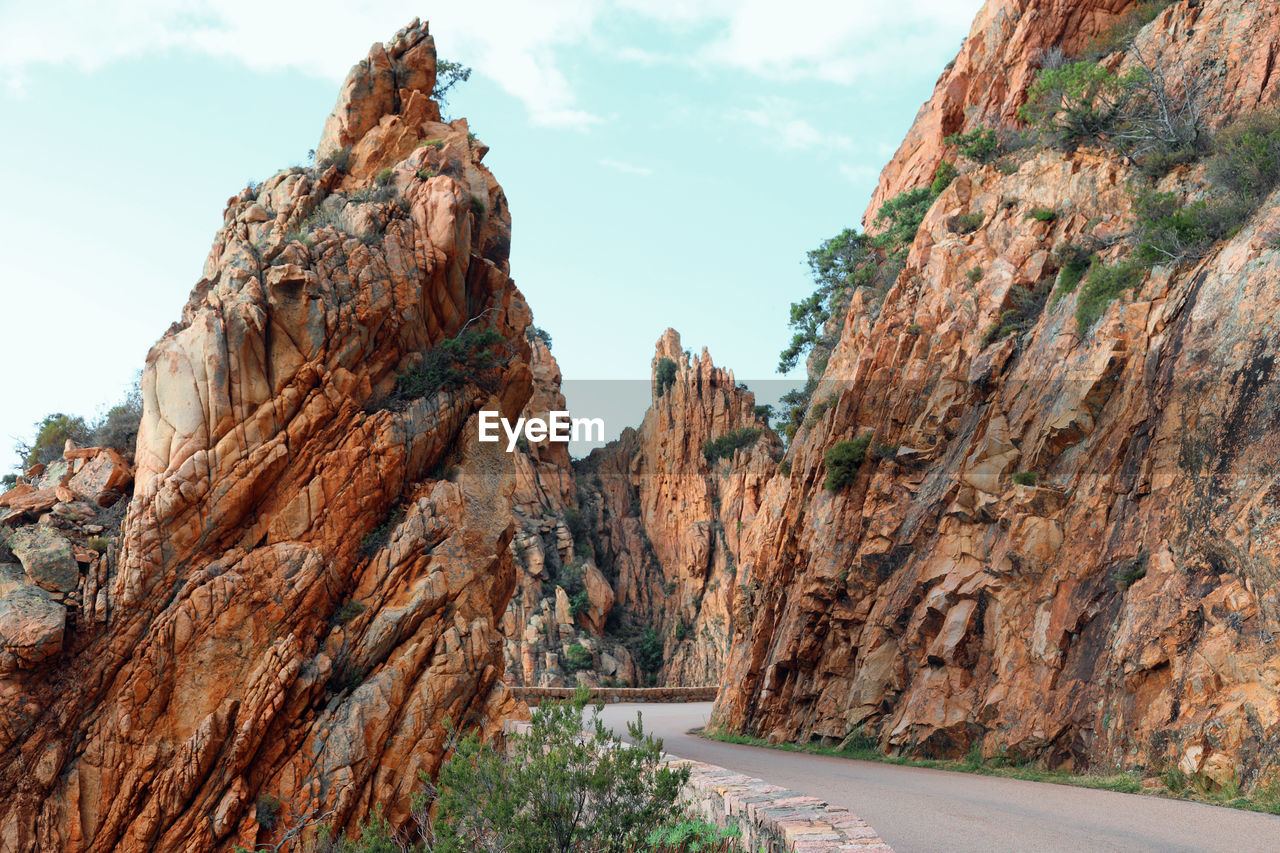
(917,810)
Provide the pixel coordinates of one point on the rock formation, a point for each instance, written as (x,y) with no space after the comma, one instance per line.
(315,562)
(1120,610)
(644,540)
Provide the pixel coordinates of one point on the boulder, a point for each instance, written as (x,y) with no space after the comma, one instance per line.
(47,557)
(32,625)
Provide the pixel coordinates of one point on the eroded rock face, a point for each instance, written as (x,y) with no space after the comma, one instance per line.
(1122,610)
(652,527)
(311,580)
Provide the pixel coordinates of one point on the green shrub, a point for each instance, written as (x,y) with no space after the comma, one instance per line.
(538,333)
(1026,478)
(914,329)
(52,434)
(385,177)
(666,374)
(784,467)
(967,223)
(975,274)
(554,789)
(682,631)
(1078,102)
(1246,158)
(268,811)
(478,206)
(1166,231)
(943,175)
(843,460)
(649,651)
(724,446)
(692,836)
(1043,214)
(98,543)
(376,539)
(448,75)
(1073,262)
(819,410)
(577,658)
(349,610)
(981,145)
(1128,572)
(1104,283)
(341,158)
(437,144)
(475,356)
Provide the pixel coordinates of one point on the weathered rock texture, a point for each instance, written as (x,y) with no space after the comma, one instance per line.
(302,597)
(1123,610)
(651,526)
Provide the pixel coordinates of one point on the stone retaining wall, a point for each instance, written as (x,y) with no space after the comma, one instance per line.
(610,695)
(772,818)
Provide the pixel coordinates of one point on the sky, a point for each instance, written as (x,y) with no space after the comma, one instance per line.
(667,163)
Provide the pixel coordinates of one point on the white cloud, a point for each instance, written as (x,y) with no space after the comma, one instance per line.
(628,168)
(778,116)
(515,43)
(512,42)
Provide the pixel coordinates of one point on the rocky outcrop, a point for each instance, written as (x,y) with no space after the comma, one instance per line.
(315,564)
(643,553)
(1114,606)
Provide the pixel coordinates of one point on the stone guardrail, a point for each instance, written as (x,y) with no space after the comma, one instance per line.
(609,695)
(773,818)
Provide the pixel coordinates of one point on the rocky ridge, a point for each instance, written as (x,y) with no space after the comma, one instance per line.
(1113,606)
(644,536)
(313,570)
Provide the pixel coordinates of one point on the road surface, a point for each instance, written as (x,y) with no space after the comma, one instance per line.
(919,811)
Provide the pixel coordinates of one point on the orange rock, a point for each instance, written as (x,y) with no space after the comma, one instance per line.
(298,603)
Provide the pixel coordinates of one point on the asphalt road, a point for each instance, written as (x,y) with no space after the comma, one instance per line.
(917,810)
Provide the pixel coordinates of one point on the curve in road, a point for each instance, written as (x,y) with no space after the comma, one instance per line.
(918,810)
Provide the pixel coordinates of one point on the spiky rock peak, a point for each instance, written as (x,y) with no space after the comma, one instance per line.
(302,599)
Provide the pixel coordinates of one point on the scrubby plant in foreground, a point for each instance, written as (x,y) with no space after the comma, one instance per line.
(1103,285)
(724,446)
(554,790)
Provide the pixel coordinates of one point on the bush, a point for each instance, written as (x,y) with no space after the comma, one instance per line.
(666,374)
(537,333)
(268,811)
(1168,232)
(723,447)
(649,651)
(448,75)
(943,175)
(376,539)
(426,174)
(556,789)
(385,177)
(981,145)
(474,357)
(1246,159)
(349,610)
(1073,262)
(784,467)
(52,434)
(1026,478)
(1078,102)
(98,543)
(1104,283)
(1043,214)
(694,836)
(843,460)
(341,158)
(975,274)
(967,223)
(577,658)
(437,144)
(118,428)
(764,413)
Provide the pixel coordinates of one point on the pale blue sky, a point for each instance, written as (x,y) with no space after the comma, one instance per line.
(667,164)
